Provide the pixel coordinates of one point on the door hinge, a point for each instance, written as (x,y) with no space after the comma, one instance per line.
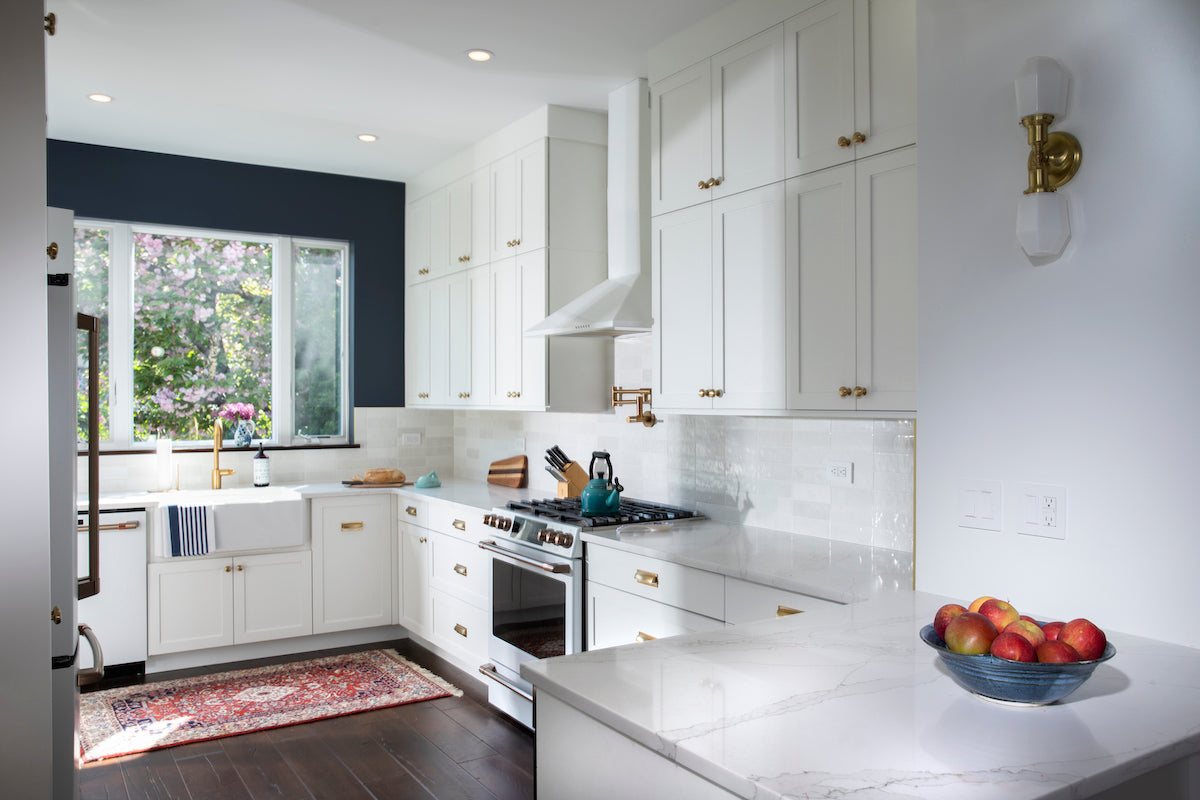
(51,23)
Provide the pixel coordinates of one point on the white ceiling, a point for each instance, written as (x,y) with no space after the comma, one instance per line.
(291,83)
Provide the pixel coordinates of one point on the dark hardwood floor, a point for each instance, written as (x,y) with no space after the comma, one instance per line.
(453,748)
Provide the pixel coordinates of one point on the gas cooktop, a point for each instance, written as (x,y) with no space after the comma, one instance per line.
(569,510)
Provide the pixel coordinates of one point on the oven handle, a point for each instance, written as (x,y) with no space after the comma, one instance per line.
(558,568)
(489,671)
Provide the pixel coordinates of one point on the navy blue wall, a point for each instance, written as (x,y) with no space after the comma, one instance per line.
(136,186)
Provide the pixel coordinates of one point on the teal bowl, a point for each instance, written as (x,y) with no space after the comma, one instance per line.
(1014,682)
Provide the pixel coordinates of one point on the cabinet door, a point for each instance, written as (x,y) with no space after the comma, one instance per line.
(502,196)
(272,596)
(819,86)
(352,563)
(459,339)
(530,200)
(821,288)
(885,74)
(416,607)
(439,341)
(748,304)
(747,114)
(681,139)
(518,293)
(532,268)
(886,256)
(439,233)
(616,618)
(459,231)
(190,605)
(479,311)
(417,341)
(684,327)
(416,241)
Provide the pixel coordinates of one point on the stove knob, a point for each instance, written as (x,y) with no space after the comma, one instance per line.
(487,519)
(506,524)
(567,540)
(545,535)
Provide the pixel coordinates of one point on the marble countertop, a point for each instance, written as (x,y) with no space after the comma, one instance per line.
(849,702)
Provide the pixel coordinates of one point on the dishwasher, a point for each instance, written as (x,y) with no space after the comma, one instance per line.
(117,615)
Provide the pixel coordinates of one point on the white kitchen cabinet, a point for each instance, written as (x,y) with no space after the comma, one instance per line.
(416,240)
(616,617)
(418,344)
(665,582)
(850,88)
(195,604)
(468,337)
(353,562)
(518,201)
(461,627)
(717,126)
(416,604)
(469,220)
(852,286)
(746,601)
(518,300)
(718,281)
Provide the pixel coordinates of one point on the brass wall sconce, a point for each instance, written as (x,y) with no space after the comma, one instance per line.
(625,397)
(1043,222)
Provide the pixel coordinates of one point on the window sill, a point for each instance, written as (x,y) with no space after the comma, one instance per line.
(227,449)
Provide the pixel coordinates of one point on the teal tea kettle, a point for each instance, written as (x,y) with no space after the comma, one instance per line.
(602,496)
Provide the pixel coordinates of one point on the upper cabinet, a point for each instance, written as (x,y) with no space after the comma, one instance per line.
(518,199)
(850,82)
(717,127)
(448,229)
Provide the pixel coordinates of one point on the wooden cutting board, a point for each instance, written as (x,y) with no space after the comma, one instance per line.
(511,472)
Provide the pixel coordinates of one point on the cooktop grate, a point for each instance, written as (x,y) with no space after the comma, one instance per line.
(570,510)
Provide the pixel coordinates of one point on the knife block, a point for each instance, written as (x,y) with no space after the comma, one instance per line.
(577,479)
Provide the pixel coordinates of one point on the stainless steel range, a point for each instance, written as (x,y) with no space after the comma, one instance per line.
(537,586)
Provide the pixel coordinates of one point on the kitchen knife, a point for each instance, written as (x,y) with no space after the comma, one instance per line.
(558,476)
(556,458)
(551,460)
(561,456)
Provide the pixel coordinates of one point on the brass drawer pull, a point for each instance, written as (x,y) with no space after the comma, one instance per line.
(646,578)
(460,630)
(411,511)
(644,637)
(352,526)
(785,611)
(458,523)
(460,569)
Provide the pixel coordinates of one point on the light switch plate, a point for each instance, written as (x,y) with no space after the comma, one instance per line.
(980,504)
(1043,510)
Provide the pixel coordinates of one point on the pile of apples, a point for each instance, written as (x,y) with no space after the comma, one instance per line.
(990,625)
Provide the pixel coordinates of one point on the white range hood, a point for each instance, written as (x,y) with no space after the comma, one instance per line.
(620,305)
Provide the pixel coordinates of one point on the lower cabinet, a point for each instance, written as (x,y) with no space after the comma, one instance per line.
(616,617)
(352,562)
(461,627)
(212,602)
(416,605)
(747,602)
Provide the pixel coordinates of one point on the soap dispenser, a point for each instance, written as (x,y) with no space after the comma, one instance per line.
(262,467)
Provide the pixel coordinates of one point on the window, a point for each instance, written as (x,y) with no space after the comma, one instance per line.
(194,319)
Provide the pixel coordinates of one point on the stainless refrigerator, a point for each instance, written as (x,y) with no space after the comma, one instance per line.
(66,586)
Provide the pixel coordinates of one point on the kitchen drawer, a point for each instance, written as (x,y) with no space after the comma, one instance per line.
(688,588)
(746,601)
(463,521)
(616,617)
(461,569)
(461,627)
(412,511)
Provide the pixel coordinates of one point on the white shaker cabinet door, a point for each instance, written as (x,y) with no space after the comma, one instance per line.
(819,79)
(190,605)
(885,75)
(416,241)
(748,304)
(416,606)
(681,139)
(418,388)
(272,596)
(747,114)
(684,325)
(439,340)
(352,562)
(439,233)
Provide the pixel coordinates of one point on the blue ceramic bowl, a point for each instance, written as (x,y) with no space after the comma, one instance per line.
(1014,682)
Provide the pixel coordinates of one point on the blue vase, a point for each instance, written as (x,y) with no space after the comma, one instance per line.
(243,433)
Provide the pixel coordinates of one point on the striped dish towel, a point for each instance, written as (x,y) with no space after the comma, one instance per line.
(189,530)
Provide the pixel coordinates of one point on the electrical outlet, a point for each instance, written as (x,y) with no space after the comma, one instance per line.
(1043,510)
(410,439)
(980,504)
(840,472)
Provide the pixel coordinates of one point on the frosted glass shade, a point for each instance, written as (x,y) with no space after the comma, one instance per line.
(1043,226)
(1042,88)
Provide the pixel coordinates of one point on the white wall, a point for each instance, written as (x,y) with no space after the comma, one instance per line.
(1083,372)
(25,746)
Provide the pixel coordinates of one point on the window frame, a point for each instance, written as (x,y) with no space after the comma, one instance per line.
(283,398)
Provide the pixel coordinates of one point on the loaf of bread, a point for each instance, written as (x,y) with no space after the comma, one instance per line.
(383,476)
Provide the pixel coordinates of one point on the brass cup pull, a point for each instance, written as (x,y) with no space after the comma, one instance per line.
(460,569)
(411,511)
(843,141)
(461,630)
(352,526)
(458,523)
(844,391)
(644,637)
(860,391)
(646,578)
(785,611)
(858,137)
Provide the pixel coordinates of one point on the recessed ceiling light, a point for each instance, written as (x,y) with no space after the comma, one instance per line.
(480,55)
(100,98)
(367,137)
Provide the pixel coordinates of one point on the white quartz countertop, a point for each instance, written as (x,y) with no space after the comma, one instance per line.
(848,702)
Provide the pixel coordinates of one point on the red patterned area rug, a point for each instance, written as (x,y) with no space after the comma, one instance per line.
(133,719)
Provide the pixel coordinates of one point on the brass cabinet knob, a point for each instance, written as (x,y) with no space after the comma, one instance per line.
(704,392)
(228,568)
(858,137)
(714,182)
(843,141)
(844,391)
(52,250)
(423,540)
(860,391)
(703,184)
(56,615)
(241,568)
(718,392)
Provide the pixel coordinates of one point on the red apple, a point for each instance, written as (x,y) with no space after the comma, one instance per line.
(1028,629)
(943,616)
(970,633)
(1014,647)
(1028,618)
(978,601)
(999,612)
(1051,630)
(1055,652)
(1086,638)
